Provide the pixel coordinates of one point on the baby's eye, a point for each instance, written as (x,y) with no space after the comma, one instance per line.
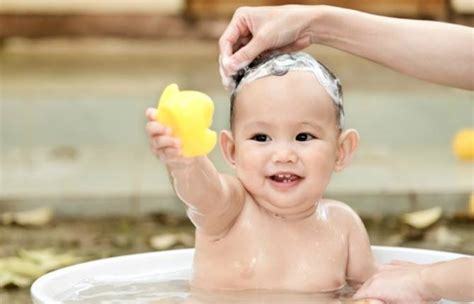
(304,137)
(260,137)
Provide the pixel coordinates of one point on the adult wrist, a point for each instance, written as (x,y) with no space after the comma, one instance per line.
(320,26)
(428,282)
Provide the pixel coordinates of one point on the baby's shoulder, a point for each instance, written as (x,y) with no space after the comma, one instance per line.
(340,211)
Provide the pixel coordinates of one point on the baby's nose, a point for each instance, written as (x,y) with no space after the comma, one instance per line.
(284,155)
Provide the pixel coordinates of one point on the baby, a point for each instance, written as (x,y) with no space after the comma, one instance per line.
(269,227)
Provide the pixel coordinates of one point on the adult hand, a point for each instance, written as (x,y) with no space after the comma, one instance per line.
(255,30)
(397,282)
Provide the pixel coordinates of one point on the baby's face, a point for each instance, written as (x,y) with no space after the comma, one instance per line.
(285,135)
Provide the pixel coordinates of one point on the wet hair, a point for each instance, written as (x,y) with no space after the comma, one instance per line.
(281,64)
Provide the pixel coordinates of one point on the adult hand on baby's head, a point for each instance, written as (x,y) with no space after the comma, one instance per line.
(163,145)
(397,282)
(255,30)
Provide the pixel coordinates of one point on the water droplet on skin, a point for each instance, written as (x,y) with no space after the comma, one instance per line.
(246,269)
(322,212)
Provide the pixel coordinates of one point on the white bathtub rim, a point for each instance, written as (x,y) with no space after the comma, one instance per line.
(185,257)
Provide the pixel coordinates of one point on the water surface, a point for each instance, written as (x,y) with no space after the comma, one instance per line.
(173,288)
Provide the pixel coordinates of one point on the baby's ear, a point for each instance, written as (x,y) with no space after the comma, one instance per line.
(226,142)
(346,145)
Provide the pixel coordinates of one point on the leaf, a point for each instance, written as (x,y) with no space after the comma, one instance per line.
(29,265)
(21,266)
(11,279)
(47,260)
(424,218)
(170,240)
(35,217)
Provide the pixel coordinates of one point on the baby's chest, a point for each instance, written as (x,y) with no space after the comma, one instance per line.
(292,256)
(291,249)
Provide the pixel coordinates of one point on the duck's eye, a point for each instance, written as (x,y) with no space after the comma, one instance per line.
(305,137)
(260,137)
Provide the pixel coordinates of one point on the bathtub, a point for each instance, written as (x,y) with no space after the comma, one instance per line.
(46,289)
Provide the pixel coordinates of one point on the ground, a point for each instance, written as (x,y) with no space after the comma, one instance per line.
(98,238)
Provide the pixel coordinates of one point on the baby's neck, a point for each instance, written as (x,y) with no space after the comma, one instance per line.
(294,216)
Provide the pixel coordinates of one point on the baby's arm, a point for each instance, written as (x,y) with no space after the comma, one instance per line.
(361,264)
(213,200)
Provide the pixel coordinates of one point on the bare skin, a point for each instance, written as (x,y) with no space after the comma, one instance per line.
(421,283)
(433,51)
(268,227)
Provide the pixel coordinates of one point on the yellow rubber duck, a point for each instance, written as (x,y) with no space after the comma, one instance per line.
(463,144)
(189,115)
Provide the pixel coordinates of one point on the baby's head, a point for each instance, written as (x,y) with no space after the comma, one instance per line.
(287,133)
(279,65)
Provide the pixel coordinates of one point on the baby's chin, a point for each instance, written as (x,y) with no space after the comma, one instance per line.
(296,201)
(288,209)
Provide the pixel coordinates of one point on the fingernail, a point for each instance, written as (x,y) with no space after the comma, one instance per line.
(228,83)
(226,62)
(225,81)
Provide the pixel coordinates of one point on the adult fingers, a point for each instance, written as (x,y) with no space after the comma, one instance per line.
(241,42)
(227,73)
(402,263)
(364,292)
(227,80)
(237,28)
(298,45)
(387,267)
(247,53)
(369,301)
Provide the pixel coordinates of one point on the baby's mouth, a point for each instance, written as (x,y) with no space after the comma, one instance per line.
(285,178)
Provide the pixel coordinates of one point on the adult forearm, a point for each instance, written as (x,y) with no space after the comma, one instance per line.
(452,280)
(438,52)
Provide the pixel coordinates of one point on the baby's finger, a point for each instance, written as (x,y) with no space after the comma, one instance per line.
(164,154)
(150,114)
(168,155)
(158,153)
(163,142)
(154,128)
(171,153)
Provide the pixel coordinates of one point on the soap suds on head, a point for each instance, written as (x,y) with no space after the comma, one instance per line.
(281,64)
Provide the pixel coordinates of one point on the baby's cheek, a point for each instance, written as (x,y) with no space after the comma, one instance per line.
(249,170)
(323,169)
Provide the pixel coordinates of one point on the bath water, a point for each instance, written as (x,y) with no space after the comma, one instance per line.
(173,288)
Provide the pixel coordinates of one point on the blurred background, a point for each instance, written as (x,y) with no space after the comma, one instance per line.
(77,179)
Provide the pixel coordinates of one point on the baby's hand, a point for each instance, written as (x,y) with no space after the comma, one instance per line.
(163,145)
